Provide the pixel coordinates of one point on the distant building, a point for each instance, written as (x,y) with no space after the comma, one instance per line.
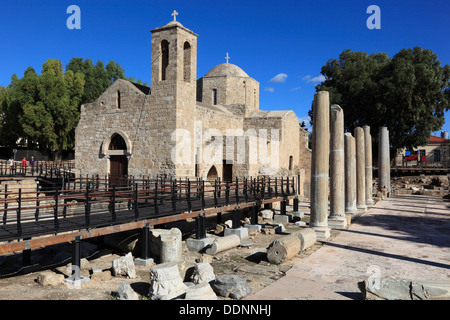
(436,153)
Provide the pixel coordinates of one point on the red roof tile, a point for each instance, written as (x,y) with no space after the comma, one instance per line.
(437,139)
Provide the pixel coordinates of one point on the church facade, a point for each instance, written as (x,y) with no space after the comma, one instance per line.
(182,126)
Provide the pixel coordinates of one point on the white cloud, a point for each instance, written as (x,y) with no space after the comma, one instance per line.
(269,89)
(320,78)
(308,79)
(296,88)
(279,78)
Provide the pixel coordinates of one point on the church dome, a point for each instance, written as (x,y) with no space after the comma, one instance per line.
(174,23)
(227,70)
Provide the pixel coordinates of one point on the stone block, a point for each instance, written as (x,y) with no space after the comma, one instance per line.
(201,291)
(144,262)
(257,227)
(48,278)
(166,282)
(124,266)
(242,233)
(125,292)
(233,286)
(198,244)
(203,272)
(281,218)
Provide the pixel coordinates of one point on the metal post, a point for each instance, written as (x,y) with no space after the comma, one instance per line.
(36,214)
(112,205)
(283,207)
(145,242)
(136,206)
(227,192)
(87,207)
(236,219)
(203,194)
(76,279)
(76,259)
(26,255)
(19,224)
(188,194)
(155,199)
(5,213)
(215,193)
(295,204)
(174,197)
(253,215)
(201,227)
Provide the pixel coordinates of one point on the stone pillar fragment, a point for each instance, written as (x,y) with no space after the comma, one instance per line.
(368,155)
(320,165)
(360,170)
(350,174)
(337,169)
(384,168)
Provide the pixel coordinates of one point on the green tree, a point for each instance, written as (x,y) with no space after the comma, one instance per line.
(408,93)
(98,77)
(42,110)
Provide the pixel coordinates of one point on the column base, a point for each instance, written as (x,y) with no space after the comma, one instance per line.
(74,282)
(361,209)
(369,202)
(144,262)
(322,233)
(337,223)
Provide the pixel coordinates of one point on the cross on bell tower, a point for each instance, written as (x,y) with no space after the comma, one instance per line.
(174,15)
(227,57)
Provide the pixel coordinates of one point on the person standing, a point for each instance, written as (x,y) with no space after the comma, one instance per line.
(24,165)
(11,165)
(32,163)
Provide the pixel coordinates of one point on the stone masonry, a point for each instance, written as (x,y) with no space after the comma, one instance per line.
(187,127)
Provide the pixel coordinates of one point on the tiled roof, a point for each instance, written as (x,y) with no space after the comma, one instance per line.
(437,139)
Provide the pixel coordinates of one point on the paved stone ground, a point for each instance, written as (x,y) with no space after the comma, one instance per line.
(402,237)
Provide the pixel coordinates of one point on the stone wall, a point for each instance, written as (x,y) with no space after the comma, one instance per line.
(164,127)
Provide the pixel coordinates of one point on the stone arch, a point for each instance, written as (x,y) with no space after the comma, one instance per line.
(212,173)
(120,137)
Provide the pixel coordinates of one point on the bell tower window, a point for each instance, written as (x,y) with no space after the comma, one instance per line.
(164,59)
(187,62)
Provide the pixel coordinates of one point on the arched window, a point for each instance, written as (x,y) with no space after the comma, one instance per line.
(118,99)
(290,162)
(164,58)
(187,62)
(117,143)
(214,96)
(212,174)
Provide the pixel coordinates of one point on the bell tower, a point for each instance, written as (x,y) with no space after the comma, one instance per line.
(174,53)
(173,86)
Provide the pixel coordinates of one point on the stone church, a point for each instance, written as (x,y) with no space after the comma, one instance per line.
(187,127)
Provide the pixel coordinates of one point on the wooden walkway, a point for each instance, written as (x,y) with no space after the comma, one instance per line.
(33,220)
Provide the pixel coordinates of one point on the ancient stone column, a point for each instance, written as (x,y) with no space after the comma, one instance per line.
(337,169)
(350,174)
(320,165)
(383,161)
(360,170)
(368,154)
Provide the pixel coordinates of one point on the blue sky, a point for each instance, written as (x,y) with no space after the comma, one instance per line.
(282,44)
